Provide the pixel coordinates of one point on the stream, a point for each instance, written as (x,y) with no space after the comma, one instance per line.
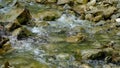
(48,47)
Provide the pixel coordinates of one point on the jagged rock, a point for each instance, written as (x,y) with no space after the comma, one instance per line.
(12,26)
(25,17)
(94,15)
(3,41)
(21,33)
(5,45)
(76,39)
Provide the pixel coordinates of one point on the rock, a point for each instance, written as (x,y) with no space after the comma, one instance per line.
(82,1)
(62,56)
(109,11)
(77,55)
(80,9)
(1,27)
(97,18)
(76,39)
(21,33)
(40,1)
(92,54)
(107,66)
(12,26)
(49,15)
(45,1)
(41,24)
(51,1)
(9,17)
(25,17)
(3,40)
(7,65)
(94,15)
(63,2)
(5,45)
(89,17)
(91,3)
(85,66)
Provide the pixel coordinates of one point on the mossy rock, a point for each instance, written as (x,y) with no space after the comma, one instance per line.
(109,11)
(22,33)
(3,41)
(12,26)
(41,24)
(76,39)
(49,15)
(51,1)
(94,54)
(80,9)
(40,1)
(25,17)
(5,45)
(63,1)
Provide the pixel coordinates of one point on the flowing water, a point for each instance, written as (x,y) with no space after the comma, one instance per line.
(48,48)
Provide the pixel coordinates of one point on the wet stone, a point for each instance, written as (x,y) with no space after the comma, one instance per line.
(22,33)
(5,45)
(12,26)
(25,17)
(76,39)
(49,15)
(63,1)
